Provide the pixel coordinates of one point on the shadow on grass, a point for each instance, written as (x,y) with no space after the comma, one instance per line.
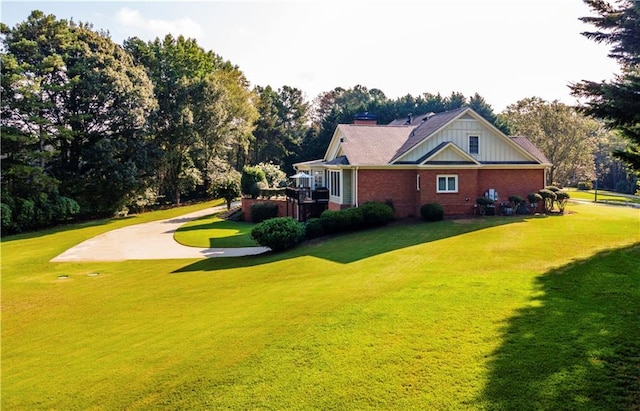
(577,345)
(350,247)
(61,229)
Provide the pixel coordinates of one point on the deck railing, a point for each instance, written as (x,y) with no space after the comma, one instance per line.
(307,195)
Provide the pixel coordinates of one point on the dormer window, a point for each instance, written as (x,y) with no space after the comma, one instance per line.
(474,144)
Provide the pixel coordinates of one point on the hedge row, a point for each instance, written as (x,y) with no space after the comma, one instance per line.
(282,233)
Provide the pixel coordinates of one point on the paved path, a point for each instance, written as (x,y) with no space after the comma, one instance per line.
(149,241)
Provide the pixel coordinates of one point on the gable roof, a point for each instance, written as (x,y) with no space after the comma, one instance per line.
(371,145)
(426,128)
(460,156)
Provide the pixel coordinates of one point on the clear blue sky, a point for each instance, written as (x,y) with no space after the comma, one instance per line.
(505,50)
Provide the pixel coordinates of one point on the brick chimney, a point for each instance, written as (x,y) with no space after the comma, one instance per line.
(366,118)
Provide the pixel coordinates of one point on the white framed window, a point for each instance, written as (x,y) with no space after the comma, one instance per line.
(447,183)
(474,144)
(417,182)
(318,179)
(334,183)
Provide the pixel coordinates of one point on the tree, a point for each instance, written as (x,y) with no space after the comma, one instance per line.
(75,110)
(227,186)
(616,102)
(280,127)
(204,111)
(567,138)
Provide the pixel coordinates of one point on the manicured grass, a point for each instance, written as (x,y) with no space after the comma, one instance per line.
(607,196)
(493,313)
(214,232)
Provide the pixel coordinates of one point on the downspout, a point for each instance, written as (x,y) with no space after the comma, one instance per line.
(355,183)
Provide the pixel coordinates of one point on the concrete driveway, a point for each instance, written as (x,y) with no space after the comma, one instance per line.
(149,241)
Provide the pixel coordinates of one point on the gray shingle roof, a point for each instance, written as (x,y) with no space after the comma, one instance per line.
(526,144)
(372,145)
(427,128)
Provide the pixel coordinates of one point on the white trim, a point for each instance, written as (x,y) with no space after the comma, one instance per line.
(417,182)
(336,199)
(477,136)
(447,177)
(463,154)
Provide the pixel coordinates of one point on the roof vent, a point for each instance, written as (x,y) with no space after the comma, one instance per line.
(428,116)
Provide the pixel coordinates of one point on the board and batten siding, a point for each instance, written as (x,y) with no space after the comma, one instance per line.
(492,147)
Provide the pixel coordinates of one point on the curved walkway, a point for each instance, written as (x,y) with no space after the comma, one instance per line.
(149,241)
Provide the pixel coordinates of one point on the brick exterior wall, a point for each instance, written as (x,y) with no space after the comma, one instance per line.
(248,202)
(399,186)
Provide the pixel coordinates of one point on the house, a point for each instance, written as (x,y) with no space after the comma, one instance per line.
(450,158)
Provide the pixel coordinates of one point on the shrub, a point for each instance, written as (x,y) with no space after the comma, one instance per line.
(329,221)
(342,220)
(549,198)
(534,199)
(6,214)
(585,185)
(278,233)
(483,203)
(313,228)
(552,188)
(376,214)
(432,212)
(251,176)
(515,201)
(561,200)
(263,211)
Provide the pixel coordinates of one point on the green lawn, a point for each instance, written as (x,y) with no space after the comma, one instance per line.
(525,313)
(214,232)
(604,196)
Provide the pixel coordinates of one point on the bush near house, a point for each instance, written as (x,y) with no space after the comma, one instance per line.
(370,214)
(313,228)
(279,233)
(263,211)
(376,214)
(549,198)
(432,212)
(483,203)
(561,200)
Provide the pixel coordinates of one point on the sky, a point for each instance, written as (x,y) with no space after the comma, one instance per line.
(505,50)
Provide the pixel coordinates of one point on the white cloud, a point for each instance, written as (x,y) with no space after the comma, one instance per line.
(157,27)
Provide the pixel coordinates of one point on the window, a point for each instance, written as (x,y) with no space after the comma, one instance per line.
(474,144)
(334,186)
(317,179)
(447,184)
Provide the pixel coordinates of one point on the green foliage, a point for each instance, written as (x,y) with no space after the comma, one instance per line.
(74,112)
(549,198)
(552,188)
(227,186)
(278,233)
(534,198)
(515,200)
(616,102)
(432,212)
(273,175)
(251,176)
(343,220)
(585,185)
(484,201)
(561,200)
(313,228)
(376,214)
(263,211)
(567,138)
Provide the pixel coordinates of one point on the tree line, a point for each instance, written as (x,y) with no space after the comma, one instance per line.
(91,128)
